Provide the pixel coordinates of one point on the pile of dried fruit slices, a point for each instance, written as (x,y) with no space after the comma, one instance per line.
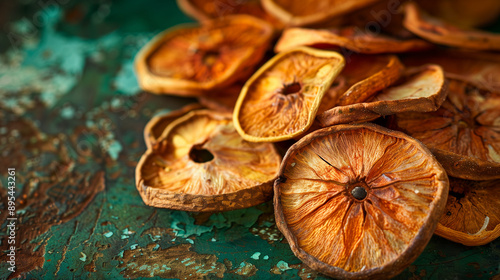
(376,121)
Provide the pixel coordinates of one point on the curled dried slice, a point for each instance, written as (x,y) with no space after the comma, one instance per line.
(300,12)
(359,201)
(351,38)
(205,10)
(440,32)
(423,89)
(193,59)
(463,134)
(155,127)
(280,100)
(202,164)
(472,214)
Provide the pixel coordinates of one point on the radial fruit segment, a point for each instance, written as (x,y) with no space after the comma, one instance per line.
(192,59)
(359,201)
(281,99)
(440,32)
(463,133)
(472,215)
(200,163)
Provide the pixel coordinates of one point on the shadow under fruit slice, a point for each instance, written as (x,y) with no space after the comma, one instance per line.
(472,214)
(359,201)
(300,12)
(423,89)
(155,127)
(440,32)
(202,164)
(463,133)
(192,59)
(351,38)
(280,101)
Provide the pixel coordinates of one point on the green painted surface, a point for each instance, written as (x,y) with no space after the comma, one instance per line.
(71,124)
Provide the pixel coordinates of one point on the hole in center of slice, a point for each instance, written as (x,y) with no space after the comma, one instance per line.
(359,193)
(291,88)
(210,57)
(200,155)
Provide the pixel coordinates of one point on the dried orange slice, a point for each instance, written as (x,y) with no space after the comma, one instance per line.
(440,32)
(202,164)
(351,38)
(203,10)
(280,100)
(220,103)
(300,13)
(192,59)
(155,127)
(423,89)
(359,201)
(463,13)
(479,68)
(463,134)
(472,214)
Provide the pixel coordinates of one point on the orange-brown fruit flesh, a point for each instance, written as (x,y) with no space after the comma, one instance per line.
(422,89)
(308,12)
(359,201)
(203,10)
(155,127)
(280,101)
(463,13)
(367,74)
(440,32)
(479,68)
(472,214)
(192,59)
(201,163)
(463,133)
(350,38)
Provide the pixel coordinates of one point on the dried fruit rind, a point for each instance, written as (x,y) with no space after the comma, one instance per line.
(423,90)
(280,100)
(463,133)
(359,201)
(200,163)
(472,214)
(192,59)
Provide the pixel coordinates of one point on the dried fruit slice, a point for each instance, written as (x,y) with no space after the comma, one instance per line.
(203,10)
(193,59)
(202,164)
(472,214)
(367,74)
(463,13)
(423,89)
(155,127)
(280,100)
(359,201)
(479,68)
(300,13)
(351,38)
(463,134)
(440,32)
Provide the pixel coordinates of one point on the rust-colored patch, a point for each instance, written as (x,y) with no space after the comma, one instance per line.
(245,269)
(174,262)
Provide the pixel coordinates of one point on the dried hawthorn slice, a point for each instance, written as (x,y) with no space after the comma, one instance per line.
(423,89)
(367,74)
(472,214)
(300,12)
(193,59)
(479,68)
(359,201)
(155,127)
(440,32)
(463,133)
(280,100)
(351,38)
(202,164)
(203,10)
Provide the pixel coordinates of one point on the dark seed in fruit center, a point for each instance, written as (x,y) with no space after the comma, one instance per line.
(359,193)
